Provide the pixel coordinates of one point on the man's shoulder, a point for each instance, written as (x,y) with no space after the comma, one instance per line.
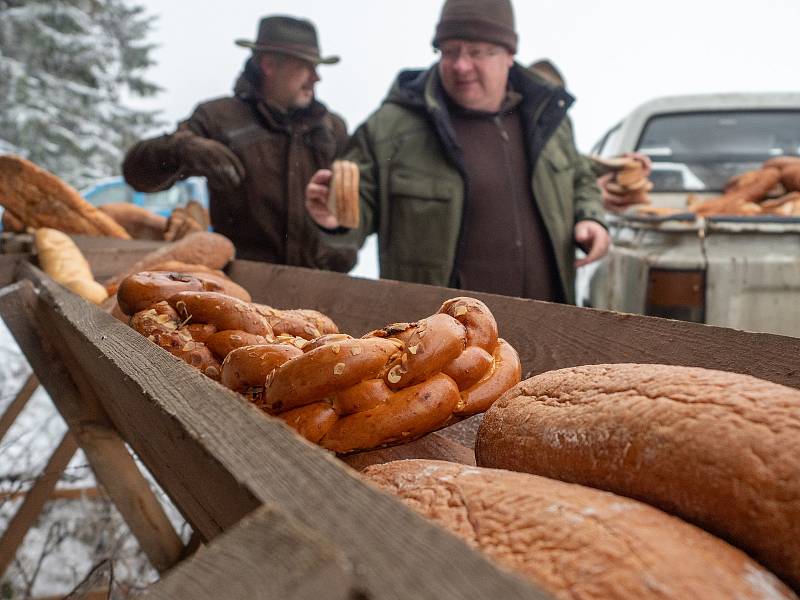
(221,103)
(392,120)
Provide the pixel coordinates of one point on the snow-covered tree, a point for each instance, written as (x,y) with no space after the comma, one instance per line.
(68,69)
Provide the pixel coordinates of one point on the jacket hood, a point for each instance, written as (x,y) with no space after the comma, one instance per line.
(410,87)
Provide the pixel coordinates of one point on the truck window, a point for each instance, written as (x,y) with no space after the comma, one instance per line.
(701,151)
(608,144)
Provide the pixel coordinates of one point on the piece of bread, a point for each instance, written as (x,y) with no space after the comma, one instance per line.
(573,541)
(40,199)
(181,223)
(140,223)
(12,223)
(721,450)
(753,186)
(209,249)
(781,162)
(343,198)
(790,178)
(62,260)
(786,205)
(394,385)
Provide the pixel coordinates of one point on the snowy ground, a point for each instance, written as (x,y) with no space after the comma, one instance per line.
(72,536)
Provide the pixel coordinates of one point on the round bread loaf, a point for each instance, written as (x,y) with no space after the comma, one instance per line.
(721,450)
(574,541)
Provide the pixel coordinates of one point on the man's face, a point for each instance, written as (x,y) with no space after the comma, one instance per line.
(475,74)
(290,81)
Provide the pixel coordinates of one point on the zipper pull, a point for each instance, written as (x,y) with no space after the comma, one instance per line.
(503,133)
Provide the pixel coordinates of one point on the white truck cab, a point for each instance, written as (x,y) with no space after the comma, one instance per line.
(740,272)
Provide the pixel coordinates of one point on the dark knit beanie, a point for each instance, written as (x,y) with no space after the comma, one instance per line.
(479,21)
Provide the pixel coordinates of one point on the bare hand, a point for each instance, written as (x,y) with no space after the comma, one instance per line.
(593,239)
(317,199)
(615,202)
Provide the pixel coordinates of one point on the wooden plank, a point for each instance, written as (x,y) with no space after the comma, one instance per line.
(109,256)
(17,404)
(73,396)
(88,493)
(219,458)
(31,508)
(265,556)
(547,336)
(9,264)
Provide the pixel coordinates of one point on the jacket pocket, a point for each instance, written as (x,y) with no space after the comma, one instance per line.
(422,217)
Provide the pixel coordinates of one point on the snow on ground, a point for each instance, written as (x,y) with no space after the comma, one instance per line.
(72,536)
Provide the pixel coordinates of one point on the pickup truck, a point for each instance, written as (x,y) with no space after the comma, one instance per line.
(740,272)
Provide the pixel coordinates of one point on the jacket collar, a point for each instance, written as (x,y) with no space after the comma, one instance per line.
(542,106)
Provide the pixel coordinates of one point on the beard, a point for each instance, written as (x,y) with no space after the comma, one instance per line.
(303,99)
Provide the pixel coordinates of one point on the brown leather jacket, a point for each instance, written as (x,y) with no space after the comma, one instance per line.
(265,217)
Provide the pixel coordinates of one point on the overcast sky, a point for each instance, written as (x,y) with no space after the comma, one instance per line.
(614,54)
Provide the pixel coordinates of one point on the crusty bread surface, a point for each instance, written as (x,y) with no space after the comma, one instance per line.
(721,450)
(573,541)
(40,199)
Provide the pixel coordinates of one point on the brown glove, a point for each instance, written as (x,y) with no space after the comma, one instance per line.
(210,159)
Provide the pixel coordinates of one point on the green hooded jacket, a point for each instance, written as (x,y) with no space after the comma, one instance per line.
(413,182)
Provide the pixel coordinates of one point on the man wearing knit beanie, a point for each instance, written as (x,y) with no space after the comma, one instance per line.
(469,172)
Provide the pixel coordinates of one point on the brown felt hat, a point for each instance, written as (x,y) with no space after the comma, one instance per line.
(477,20)
(287,35)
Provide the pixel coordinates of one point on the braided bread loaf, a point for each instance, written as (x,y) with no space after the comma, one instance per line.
(391,386)
(201,317)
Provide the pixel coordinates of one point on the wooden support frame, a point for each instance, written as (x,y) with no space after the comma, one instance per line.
(105,450)
(219,459)
(233,471)
(28,513)
(16,406)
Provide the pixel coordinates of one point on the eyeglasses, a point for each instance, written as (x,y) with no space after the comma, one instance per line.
(476,55)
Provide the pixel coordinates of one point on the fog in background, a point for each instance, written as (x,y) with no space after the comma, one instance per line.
(614,54)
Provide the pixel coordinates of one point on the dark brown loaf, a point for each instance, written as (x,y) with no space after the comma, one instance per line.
(573,541)
(719,449)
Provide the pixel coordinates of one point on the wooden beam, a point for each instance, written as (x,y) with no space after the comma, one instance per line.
(219,458)
(107,256)
(267,555)
(69,388)
(17,404)
(89,493)
(9,263)
(35,499)
(547,336)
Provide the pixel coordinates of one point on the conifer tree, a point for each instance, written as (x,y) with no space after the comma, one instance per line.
(68,69)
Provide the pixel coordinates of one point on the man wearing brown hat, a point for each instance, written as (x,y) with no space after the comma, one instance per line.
(257,149)
(469,173)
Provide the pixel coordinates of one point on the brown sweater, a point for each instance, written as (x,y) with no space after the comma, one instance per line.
(505,248)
